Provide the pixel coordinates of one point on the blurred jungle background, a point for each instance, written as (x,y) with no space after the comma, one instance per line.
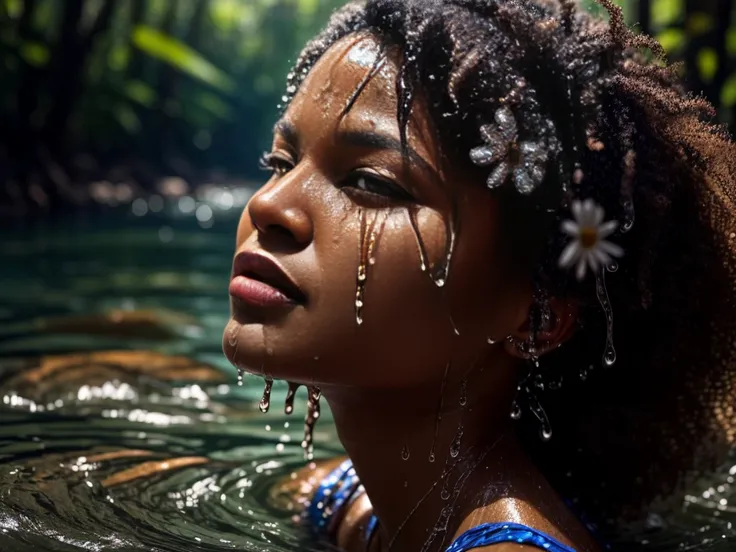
(101,100)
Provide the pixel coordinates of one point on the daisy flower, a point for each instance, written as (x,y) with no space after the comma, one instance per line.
(523,160)
(588,247)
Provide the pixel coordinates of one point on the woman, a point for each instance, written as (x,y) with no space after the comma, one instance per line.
(466,195)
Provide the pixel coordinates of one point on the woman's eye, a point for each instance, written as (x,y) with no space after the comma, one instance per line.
(367,184)
(275,164)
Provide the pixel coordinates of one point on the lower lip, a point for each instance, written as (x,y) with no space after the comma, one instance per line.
(257,293)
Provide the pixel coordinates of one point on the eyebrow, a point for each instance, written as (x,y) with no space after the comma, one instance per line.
(361,139)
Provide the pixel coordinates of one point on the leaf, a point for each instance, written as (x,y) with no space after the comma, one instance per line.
(140,92)
(666,12)
(127,118)
(731,42)
(174,52)
(728,92)
(672,39)
(707,64)
(35,53)
(698,24)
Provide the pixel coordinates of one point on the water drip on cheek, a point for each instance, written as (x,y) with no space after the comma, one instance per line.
(290,395)
(440,272)
(405,453)
(369,235)
(265,403)
(464,392)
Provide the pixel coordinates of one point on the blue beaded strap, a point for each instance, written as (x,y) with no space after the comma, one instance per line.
(335,493)
(497,533)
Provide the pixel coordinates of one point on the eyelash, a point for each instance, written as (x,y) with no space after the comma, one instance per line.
(388,191)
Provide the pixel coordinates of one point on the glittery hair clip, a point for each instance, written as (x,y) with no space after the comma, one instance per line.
(522,161)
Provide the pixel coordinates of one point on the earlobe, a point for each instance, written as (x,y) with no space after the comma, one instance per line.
(561,326)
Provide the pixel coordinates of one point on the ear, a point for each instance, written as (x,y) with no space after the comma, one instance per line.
(560,327)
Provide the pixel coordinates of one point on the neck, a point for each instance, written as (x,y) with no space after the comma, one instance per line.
(416,451)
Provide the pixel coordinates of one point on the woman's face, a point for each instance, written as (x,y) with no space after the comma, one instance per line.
(336,217)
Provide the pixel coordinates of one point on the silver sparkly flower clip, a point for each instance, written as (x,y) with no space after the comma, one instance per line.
(522,161)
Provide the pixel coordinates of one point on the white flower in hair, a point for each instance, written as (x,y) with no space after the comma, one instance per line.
(589,247)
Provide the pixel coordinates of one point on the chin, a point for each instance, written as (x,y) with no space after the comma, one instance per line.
(248,348)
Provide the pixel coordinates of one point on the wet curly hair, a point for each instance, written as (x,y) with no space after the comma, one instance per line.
(612,124)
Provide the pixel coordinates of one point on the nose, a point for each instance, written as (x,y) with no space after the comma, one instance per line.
(279,213)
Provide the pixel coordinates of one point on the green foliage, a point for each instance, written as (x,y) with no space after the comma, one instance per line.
(172,51)
(201,79)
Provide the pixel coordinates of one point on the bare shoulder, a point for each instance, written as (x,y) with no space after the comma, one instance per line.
(566,529)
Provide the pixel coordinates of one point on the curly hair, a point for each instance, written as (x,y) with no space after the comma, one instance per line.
(606,119)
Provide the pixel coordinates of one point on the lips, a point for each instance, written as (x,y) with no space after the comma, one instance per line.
(261,282)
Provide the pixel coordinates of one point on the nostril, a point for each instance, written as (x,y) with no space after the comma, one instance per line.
(279,230)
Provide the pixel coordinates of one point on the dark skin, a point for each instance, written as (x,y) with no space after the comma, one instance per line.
(383,378)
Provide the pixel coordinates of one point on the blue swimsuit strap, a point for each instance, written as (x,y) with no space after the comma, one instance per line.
(497,533)
(341,487)
(331,499)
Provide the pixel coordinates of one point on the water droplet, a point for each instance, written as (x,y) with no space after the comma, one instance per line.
(464,392)
(609,356)
(240,376)
(545,433)
(405,453)
(492,341)
(515,411)
(612,266)
(445,494)
(290,395)
(232,333)
(454,326)
(313,412)
(420,243)
(438,418)
(583,374)
(455,446)
(369,234)
(265,403)
(440,282)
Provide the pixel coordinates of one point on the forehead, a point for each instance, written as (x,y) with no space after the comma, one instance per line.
(335,78)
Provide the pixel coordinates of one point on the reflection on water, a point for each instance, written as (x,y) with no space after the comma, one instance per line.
(122,425)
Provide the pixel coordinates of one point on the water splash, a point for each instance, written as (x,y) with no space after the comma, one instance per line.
(313,412)
(405,453)
(290,395)
(439,413)
(609,354)
(265,403)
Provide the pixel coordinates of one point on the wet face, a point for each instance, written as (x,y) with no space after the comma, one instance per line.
(341,256)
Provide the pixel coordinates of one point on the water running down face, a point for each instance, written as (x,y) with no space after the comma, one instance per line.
(351,221)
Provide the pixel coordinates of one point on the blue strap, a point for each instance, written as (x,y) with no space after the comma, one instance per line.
(497,533)
(331,496)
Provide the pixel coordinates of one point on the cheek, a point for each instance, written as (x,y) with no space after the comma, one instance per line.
(245,227)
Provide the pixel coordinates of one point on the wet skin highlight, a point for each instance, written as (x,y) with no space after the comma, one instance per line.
(405,298)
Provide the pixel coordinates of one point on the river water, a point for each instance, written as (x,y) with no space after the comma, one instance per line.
(122,426)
